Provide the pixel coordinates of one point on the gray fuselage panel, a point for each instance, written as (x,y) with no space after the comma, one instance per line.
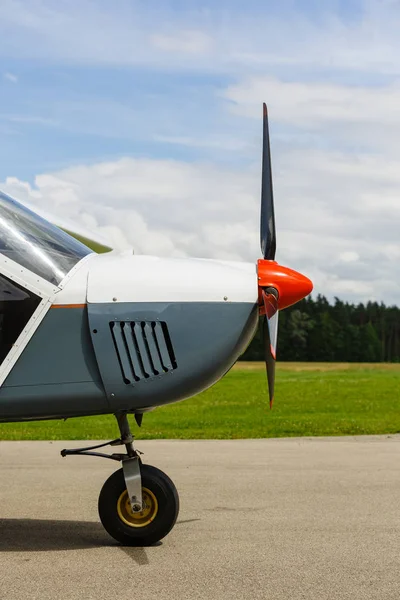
(151,354)
(106,358)
(57,373)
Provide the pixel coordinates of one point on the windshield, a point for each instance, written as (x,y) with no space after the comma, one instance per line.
(36,244)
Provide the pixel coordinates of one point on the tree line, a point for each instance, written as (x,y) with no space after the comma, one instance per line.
(316,330)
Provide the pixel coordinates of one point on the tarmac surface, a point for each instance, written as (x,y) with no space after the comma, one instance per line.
(268,519)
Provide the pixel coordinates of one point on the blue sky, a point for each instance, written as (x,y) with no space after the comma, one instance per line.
(149,114)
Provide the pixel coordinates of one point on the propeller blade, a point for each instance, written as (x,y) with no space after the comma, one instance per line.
(278,286)
(270,334)
(267,221)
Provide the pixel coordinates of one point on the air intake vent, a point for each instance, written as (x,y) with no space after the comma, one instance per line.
(143,348)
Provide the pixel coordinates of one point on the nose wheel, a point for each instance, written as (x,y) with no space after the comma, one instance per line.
(138,504)
(160,507)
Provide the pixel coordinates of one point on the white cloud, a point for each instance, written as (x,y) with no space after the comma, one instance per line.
(333,91)
(121,33)
(191,42)
(306,104)
(332,231)
(29,119)
(158,207)
(349,256)
(10,77)
(365,118)
(133,33)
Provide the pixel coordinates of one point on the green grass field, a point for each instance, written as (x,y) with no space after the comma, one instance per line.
(312,399)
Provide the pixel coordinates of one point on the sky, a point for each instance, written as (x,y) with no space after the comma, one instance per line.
(142,121)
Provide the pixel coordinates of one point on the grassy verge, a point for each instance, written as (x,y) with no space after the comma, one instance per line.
(311,399)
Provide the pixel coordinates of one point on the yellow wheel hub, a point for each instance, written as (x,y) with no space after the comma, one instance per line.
(138,519)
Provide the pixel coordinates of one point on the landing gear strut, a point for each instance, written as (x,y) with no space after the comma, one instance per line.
(138,504)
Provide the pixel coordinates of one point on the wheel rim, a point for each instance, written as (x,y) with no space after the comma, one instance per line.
(138,519)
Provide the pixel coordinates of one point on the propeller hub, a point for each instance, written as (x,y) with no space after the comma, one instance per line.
(290,285)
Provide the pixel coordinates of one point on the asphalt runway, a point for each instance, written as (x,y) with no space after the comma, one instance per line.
(267,519)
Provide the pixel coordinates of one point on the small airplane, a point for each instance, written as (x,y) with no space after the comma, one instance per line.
(83,333)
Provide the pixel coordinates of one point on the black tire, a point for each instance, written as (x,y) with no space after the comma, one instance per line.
(123,526)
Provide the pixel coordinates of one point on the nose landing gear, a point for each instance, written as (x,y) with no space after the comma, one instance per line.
(138,504)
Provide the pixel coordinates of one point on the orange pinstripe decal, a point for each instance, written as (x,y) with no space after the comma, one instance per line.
(68,305)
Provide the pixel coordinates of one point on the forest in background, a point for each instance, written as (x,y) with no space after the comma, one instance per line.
(316,330)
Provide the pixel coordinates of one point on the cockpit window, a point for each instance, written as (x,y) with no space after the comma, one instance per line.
(36,244)
(17,305)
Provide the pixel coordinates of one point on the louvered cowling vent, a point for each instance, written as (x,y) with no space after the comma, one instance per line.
(143,348)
